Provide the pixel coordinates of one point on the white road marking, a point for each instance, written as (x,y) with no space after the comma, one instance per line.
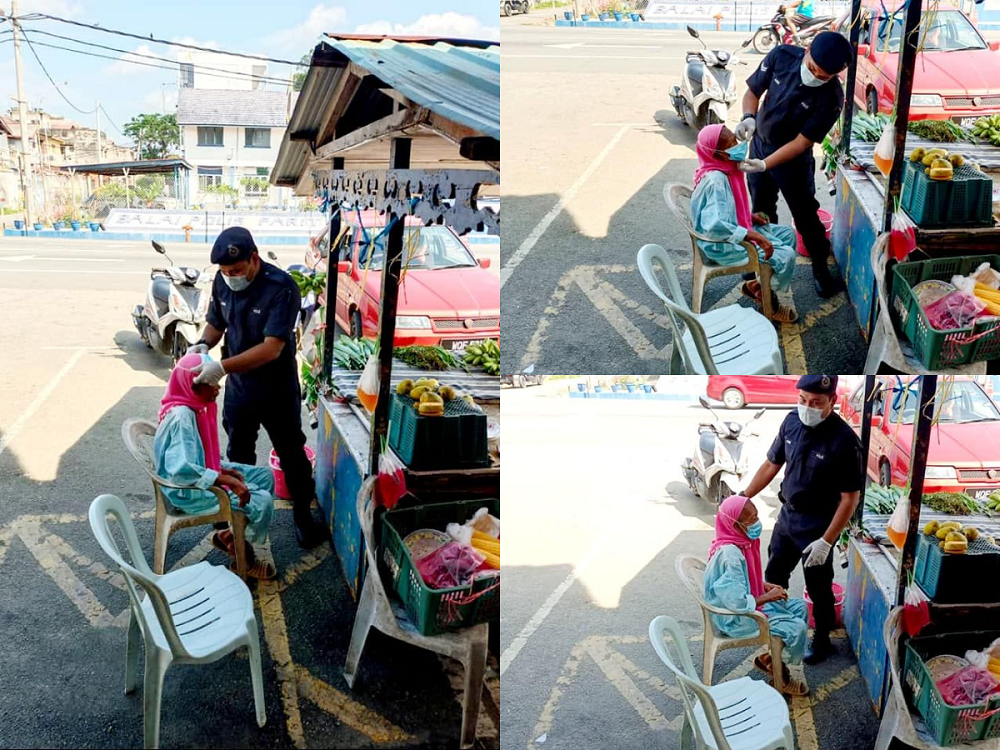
(514,648)
(515,260)
(40,399)
(574,45)
(84,260)
(68,270)
(17,258)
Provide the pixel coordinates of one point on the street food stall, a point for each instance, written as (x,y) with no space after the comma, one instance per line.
(952,210)
(954,574)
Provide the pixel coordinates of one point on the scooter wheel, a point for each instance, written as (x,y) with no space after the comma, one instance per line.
(764,41)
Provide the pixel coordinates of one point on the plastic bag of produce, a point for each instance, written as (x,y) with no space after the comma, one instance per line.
(391,482)
(916,610)
(452,565)
(368,384)
(956,310)
(903,236)
(970,686)
(885,150)
(899,522)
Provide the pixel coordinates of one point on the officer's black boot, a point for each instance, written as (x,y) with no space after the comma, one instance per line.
(819,649)
(826,285)
(309,532)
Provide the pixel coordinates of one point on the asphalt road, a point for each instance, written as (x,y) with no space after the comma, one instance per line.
(72,369)
(597,511)
(591,141)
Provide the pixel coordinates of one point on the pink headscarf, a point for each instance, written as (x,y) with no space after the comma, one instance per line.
(727,533)
(708,142)
(180,392)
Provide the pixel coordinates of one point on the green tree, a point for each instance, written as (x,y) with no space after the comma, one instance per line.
(299,77)
(155,135)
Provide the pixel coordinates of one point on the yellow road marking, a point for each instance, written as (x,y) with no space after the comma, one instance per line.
(347,711)
(791,333)
(565,679)
(306,563)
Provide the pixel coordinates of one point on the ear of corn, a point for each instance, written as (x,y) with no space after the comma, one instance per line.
(482,546)
(492,560)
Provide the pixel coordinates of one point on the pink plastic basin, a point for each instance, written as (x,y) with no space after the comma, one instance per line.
(827,220)
(838,605)
(280,488)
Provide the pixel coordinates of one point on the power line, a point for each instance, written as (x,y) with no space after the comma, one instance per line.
(112,121)
(54,84)
(269,79)
(151,38)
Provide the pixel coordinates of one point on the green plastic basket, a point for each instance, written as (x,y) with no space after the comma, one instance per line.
(455,440)
(957,579)
(949,725)
(938,350)
(436,611)
(966,200)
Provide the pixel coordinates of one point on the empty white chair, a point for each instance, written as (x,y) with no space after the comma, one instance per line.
(743,714)
(732,340)
(194,615)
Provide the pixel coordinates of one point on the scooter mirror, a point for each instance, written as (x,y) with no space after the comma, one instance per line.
(747,43)
(759,414)
(693,32)
(159,248)
(271,255)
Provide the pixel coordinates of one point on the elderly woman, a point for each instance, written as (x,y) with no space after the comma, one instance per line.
(733,581)
(720,207)
(186,451)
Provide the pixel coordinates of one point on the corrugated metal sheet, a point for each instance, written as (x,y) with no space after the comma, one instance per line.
(460,83)
(263,109)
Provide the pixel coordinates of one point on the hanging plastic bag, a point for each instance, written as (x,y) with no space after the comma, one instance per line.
(955,310)
(903,236)
(368,384)
(885,149)
(391,482)
(899,522)
(916,610)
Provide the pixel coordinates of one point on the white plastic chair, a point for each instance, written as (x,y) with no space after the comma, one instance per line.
(376,610)
(732,340)
(884,344)
(705,269)
(691,571)
(134,432)
(743,714)
(195,615)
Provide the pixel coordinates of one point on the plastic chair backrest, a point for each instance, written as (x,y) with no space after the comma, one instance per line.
(659,629)
(137,573)
(691,571)
(650,255)
(678,199)
(137,435)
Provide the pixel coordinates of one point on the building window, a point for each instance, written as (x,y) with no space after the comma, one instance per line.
(209,176)
(209,136)
(258,138)
(187,75)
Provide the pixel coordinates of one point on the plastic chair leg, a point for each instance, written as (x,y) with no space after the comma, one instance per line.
(777,667)
(161,536)
(239,524)
(876,348)
(152,696)
(687,736)
(132,641)
(765,290)
(256,676)
(789,738)
(887,729)
(363,621)
(475,669)
(698,289)
(709,650)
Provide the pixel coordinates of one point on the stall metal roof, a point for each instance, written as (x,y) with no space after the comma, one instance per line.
(146,166)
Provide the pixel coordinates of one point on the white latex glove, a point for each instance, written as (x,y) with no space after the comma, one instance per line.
(209,373)
(753,165)
(197,349)
(746,129)
(815,553)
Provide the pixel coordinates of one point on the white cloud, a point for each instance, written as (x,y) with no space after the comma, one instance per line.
(449,24)
(322,18)
(64,8)
(125,65)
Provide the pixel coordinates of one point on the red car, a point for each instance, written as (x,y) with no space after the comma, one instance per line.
(446,296)
(963,454)
(957,74)
(736,391)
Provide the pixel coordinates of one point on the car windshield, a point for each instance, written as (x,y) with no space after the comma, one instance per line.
(960,402)
(944,31)
(423,247)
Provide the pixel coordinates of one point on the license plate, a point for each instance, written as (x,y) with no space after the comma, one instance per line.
(965,122)
(456,345)
(984,494)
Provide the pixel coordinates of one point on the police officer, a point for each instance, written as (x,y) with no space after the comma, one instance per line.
(804,99)
(255,304)
(823,479)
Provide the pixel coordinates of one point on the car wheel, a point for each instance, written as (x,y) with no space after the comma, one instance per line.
(357,329)
(872,102)
(733,398)
(507,9)
(885,475)
(521,381)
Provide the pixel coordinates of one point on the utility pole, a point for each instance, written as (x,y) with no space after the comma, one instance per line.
(97,112)
(22,113)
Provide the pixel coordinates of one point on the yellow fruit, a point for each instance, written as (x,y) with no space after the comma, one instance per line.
(943,532)
(928,159)
(951,525)
(430,397)
(447,392)
(954,536)
(956,548)
(927,170)
(932,527)
(469,400)
(917,154)
(418,391)
(431,409)
(937,152)
(429,382)
(957,160)
(940,163)
(941,172)
(971,533)
(404,387)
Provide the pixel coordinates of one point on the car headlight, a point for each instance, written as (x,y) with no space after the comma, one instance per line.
(712,87)
(925,100)
(413,321)
(178,306)
(940,472)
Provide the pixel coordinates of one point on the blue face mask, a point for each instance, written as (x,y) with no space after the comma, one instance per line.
(738,152)
(754,530)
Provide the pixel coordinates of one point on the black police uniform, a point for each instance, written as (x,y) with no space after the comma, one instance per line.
(821,462)
(791,108)
(269,395)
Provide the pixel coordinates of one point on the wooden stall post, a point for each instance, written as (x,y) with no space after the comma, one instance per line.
(904,87)
(326,375)
(852,77)
(399,158)
(866,438)
(918,465)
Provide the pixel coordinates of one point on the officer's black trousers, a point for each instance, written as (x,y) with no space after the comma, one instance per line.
(281,416)
(783,554)
(796,180)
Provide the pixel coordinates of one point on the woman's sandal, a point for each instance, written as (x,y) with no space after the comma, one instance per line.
(221,545)
(259,569)
(779,313)
(791,687)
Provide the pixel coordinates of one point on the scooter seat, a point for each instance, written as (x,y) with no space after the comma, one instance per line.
(161,293)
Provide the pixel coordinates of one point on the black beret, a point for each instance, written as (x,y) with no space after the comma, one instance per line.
(831,51)
(823,384)
(233,245)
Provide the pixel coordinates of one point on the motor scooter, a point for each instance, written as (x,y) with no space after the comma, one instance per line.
(777,31)
(708,86)
(719,464)
(173,315)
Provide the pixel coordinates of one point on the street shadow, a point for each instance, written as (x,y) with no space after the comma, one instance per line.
(63,650)
(138,356)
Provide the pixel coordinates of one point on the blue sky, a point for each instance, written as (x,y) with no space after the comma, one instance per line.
(284,30)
